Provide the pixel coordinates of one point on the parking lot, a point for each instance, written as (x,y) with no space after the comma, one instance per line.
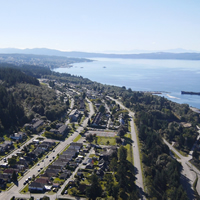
(102,133)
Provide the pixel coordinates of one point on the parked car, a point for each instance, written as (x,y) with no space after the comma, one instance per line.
(65,192)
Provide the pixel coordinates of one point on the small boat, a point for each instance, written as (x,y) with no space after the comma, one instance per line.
(104,66)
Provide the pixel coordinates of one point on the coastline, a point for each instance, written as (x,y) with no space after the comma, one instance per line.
(158,77)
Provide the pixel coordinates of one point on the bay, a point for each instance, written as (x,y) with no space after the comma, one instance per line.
(168,76)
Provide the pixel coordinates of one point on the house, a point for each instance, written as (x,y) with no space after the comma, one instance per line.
(30,157)
(76,146)
(35,186)
(62,130)
(58,125)
(65,157)
(6,177)
(56,167)
(96,119)
(92,97)
(82,105)
(108,152)
(2,183)
(28,126)
(73,164)
(56,185)
(89,166)
(35,141)
(44,180)
(59,164)
(18,136)
(74,115)
(10,171)
(71,153)
(54,131)
(50,173)
(121,120)
(38,152)
(22,164)
(38,124)
(66,174)
(49,142)
(43,146)
(6,146)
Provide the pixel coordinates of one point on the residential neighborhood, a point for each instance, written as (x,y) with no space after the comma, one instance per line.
(57,160)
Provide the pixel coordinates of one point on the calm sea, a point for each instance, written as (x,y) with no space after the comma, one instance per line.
(168,76)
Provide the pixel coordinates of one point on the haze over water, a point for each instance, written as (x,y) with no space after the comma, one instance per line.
(168,76)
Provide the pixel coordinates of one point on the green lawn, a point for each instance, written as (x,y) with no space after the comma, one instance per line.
(77,138)
(129,148)
(106,140)
(24,190)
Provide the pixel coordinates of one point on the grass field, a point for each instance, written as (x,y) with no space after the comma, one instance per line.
(77,138)
(129,148)
(106,141)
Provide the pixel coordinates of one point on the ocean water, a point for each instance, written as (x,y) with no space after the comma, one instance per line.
(168,76)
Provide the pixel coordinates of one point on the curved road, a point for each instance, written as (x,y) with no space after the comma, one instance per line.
(189,172)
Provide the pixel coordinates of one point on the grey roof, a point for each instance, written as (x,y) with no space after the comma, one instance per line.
(38,123)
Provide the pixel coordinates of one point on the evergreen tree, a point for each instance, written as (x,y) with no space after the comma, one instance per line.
(94,190)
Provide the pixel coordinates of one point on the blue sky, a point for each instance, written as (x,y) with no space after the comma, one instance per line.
(100,25)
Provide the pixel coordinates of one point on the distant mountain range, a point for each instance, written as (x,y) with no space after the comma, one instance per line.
(75,54)
(137,51)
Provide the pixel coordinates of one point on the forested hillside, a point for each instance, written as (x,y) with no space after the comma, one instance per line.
(11,76)
(157,117)
(23,98)
(11,112)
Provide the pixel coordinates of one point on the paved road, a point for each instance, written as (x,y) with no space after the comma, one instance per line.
(18,150)
(14,191)
(189,172)
(136,154)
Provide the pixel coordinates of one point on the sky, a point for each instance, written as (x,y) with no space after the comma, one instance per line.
(100,25)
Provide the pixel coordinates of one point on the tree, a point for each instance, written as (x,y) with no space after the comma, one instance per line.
(195,154)
(84,95)
(14,177)
(109,183)
(113,164)
(86,113)
(94,190)
(102,109)
(121,131)
(67,102)
(115,191)
(118,140)
(122,154)
(89,138)
(45,198)
(88,122)
(12,161)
